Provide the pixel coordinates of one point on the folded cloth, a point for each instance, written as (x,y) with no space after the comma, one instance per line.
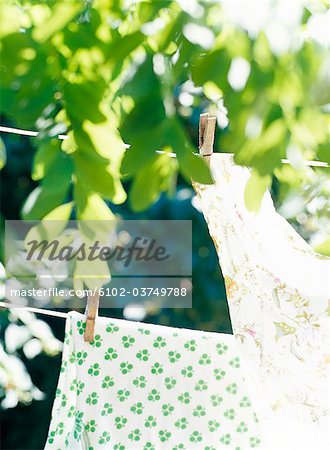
(148,387)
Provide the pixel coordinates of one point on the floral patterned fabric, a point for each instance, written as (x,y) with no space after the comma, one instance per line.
(148,387)
(278,292)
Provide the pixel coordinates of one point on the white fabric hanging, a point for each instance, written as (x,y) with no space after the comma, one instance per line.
(278,290)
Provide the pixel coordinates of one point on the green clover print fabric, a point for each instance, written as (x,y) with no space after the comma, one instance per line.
(148,387)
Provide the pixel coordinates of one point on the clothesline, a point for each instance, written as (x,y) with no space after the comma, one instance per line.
(46,312)
(170,154)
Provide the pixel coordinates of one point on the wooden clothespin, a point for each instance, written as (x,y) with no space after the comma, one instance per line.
(207,125)
(91,312)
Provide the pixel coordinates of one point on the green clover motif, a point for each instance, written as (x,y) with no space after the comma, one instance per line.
(137,408)
(232,388)
(167,409)
(213,425)
(211,448)
(154,395)
(242,428)
(104,438)
(71,411)
(78,386)
(110,354)
(196,436)
(179,447)
(120,422)
(58,392)
(126,367)
(159,342)
(235,363)
(81,357)
(255,418)
(97,341)
(254,441)
(181,423)
(91,426)
(230,414)
(65,363)
(78,425)
(216,400)
(157,369)
(107,382)
(60,428)
(226,439)
(170,382)
(92,398)
(64,400)
(150,422)
(184,398)
(127,341)
(149,446)
(117,447)
(204,360)
(190,345)
(72,358)
(187,371)
(144,331)
(201,385)
(219,374)
(245,402)
(123,395)
(94,370)
(164,435)
(143,355)
(140,382)
(221,348)
(107,409)
(81,325)
(112,328)
(199,411)
(135,435)
(52,435)
(174,356)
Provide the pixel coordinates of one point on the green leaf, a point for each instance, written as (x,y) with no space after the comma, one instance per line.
(98,158)
(255,190)
(44,158)
(52,224)
(214,67)
(63,12)
(323,152)
(95,216)
(90,205)
(264,151)
(82,101)
(122,47)
(144,150)
(95,173)
(94,274)
(324,247)
(153,179)
(3,157)
(52,192)
(194,167)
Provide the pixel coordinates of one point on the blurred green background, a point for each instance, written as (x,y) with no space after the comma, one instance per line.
(109,72)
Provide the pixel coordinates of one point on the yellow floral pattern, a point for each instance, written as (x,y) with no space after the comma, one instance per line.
(278,292)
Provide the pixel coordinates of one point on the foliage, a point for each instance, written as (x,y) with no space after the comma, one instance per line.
(110,72)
